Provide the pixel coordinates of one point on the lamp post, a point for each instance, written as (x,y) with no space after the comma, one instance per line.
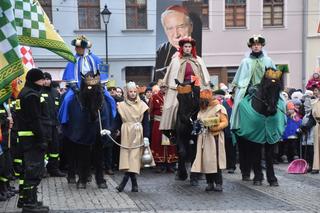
(105,13)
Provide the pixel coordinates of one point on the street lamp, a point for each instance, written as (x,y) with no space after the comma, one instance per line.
(105,13)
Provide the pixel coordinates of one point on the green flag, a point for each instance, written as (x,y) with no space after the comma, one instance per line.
(34,29)
(10,62)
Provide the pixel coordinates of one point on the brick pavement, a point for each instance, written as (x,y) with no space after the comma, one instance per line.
(161,193)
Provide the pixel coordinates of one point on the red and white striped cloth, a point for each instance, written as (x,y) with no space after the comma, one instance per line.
(27,59)
(28,62)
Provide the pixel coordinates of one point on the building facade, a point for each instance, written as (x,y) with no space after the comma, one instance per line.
(227,25)
(232,22)
(312,35)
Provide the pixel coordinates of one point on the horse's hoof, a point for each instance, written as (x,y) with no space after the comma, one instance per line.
(274,183)
(257,182)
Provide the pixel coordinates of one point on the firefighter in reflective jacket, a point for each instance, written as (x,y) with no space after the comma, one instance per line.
(31,139)
(50,122)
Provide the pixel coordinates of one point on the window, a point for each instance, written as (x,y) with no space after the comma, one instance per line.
(201,8)
(273,12)
(89,14)
(140,75)
(136,14)
(47,7)
(205,14)
(235,13)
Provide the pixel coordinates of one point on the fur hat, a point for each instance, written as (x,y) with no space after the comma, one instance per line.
(256,39)
(81,41)
(34,75)
(131,85)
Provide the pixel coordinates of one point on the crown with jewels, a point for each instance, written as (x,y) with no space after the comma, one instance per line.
(273,74)
(92,80)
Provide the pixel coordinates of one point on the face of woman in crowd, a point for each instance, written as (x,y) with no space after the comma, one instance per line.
(119,92)
(132,94)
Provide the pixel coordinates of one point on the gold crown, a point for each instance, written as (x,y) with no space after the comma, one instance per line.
(92,80)
(184,89)
(273,74)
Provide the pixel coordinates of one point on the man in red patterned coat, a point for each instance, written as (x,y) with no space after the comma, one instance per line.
(163,151)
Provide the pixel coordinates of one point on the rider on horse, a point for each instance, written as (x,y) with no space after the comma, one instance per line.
(249,74)
(260,103)
(186,66)
(86,62)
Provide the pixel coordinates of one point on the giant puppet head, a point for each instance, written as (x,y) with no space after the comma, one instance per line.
(91,94)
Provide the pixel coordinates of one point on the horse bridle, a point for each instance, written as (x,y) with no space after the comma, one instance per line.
(266,104)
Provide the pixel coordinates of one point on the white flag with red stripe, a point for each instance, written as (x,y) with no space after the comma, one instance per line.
(28,63)
(27,59)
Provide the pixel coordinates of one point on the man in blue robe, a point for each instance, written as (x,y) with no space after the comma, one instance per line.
(86,61)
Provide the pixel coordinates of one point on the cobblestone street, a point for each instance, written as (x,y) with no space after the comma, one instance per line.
(161,193)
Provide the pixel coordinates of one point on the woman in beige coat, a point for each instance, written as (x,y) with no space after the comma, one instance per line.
(211,155)
(133,118)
